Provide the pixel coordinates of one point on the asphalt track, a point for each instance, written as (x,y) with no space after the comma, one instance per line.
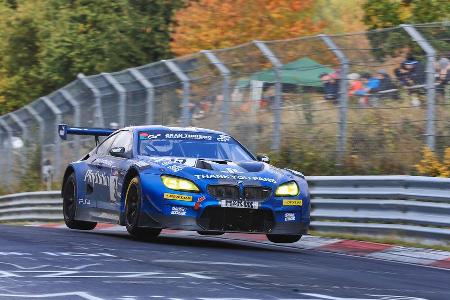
(45,263)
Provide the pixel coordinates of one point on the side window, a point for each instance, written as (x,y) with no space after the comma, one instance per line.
(124,139)
(104,147)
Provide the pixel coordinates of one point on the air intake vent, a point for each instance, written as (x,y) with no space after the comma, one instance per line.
(230,192)
(256,193)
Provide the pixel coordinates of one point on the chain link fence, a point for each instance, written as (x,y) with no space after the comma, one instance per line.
(362,102)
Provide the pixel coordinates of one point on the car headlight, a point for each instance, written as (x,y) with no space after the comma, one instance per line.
(287,189)
(179,184)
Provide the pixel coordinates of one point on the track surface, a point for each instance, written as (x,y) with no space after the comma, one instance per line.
(63,264)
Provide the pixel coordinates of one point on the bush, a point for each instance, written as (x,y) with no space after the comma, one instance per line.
(430,165)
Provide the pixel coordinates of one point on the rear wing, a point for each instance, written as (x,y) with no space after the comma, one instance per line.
(64,130)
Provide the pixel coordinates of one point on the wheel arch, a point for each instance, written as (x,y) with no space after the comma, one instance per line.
(69,171)
(131,173)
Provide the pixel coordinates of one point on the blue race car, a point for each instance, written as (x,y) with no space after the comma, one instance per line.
(148,178)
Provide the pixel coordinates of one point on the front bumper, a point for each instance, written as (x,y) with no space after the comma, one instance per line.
(220,219)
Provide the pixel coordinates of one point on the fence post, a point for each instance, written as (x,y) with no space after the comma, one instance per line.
(343,97)
(277,65)
(186,115)
(76,107)
(225,72)
(21,124)
(122,97)
(9,148)
(430,84)
(150,93)
(57,112)
(40,120)
(99,121)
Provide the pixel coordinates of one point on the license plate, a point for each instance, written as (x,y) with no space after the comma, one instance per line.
(239,204)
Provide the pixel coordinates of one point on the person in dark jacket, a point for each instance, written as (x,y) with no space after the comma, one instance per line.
(330,87)
(411,72)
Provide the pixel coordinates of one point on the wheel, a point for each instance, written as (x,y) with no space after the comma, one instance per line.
(210,232)
(278,238)
(70,206)
(132,212)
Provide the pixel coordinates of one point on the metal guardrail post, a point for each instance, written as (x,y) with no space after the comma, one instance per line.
(57,112)
(186,115)
(343,97)
(99,120)
(430,83)
(122,96)
(225,72)
(40,120)
(150,94)
(8,147)
(77,116)
(277,65)
(21,124)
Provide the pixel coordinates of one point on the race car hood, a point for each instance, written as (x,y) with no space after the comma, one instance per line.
(221,171)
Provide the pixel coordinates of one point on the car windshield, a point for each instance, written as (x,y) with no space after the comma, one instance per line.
(191,144)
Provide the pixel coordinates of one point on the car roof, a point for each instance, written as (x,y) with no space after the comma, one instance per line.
(170,128)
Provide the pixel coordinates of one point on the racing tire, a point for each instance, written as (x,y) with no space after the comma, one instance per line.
(70,206)
(280,239)
(133,200)
(210,232)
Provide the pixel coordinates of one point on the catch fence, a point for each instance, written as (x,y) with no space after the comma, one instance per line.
(288,97)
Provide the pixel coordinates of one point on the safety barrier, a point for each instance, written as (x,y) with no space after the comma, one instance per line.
(411,208)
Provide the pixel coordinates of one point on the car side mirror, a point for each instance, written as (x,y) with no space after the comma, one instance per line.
(117,151)
(263,158)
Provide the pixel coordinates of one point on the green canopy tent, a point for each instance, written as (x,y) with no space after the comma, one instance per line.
(304,71)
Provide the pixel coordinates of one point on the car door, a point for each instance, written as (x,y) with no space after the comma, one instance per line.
(97,173)
(117,169)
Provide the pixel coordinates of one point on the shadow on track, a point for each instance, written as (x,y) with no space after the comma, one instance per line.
(203,242)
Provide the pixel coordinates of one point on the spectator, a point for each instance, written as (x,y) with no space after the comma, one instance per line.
(443,72)
(370,85)
(354,83)
(411,72)
(386,84)
(330,87)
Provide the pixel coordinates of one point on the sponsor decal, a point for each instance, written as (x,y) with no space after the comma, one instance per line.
(289,217)
(82,201)
(148,136)
(176,168)
(199,201)
(178,210)
(289,202)
(223,138)
(237,177)
(96,177)
(188,136)
(177,197)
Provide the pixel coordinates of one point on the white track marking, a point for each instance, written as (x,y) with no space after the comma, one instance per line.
(209,263)
(79,294)
(196,275)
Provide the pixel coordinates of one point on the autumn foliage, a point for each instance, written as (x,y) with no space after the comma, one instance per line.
(212,24)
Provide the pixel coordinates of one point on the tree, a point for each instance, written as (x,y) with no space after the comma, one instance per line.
(341,16)
(208,24)
(44,44)
(389,13)
(19,48)
(103,36)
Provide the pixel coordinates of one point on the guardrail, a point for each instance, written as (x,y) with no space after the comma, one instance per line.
(411,208)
